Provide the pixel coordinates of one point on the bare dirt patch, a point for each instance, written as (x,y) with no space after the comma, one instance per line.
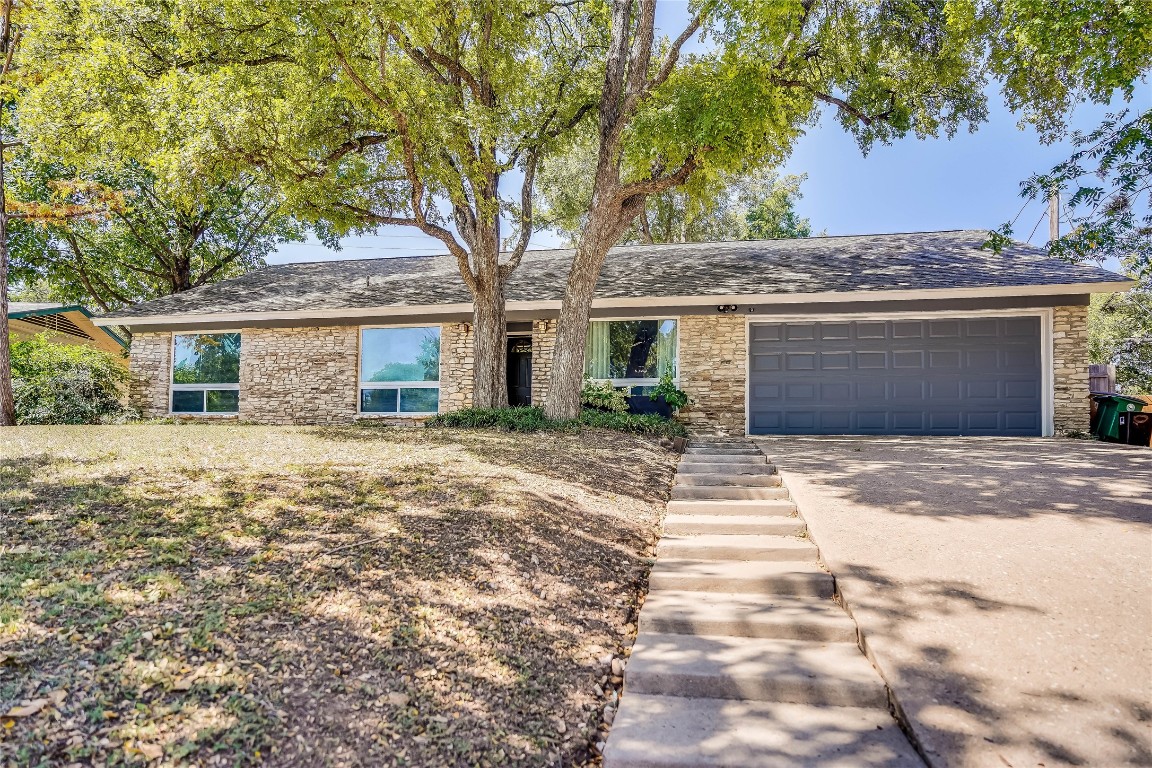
(234,595)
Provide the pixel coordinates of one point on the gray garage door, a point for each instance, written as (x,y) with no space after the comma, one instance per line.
(962,376)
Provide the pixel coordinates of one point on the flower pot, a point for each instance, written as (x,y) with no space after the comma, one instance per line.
(645,404)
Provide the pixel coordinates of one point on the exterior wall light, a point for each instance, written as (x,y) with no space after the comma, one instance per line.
(726,308)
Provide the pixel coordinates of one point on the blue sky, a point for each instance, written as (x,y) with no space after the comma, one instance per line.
(969,181)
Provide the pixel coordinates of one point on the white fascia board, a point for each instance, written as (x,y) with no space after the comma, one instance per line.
(433,310)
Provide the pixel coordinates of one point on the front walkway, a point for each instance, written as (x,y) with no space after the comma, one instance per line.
(1001,584)
(743,659)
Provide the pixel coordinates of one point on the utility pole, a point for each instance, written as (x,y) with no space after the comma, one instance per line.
(1054,215)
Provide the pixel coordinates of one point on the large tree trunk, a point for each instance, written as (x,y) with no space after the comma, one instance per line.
(7,401)
(490,347)
(576,309)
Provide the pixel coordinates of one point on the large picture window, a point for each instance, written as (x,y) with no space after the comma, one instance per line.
(631,353)
(400,370)
(206,373)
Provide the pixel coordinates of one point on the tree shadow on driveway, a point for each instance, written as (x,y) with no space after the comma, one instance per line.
(1001,586)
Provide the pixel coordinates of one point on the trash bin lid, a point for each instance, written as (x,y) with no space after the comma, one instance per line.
(1121,398)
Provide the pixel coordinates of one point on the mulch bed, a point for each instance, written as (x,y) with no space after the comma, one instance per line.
(238,595)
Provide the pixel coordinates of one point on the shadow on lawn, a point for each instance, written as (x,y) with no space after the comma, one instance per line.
(568,457)
(320,617)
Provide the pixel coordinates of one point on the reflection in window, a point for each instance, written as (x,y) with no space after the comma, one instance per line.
(206,373)
(400,370)
(627,350)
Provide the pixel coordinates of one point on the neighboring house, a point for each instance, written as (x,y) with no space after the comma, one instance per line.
(65,324)
(920,333)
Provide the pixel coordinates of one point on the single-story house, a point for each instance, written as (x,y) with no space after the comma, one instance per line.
(920,334)
(65,324)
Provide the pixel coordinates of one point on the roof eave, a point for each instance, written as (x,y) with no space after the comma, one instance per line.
(433,310)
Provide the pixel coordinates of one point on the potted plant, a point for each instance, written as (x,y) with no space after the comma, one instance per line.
(663,399)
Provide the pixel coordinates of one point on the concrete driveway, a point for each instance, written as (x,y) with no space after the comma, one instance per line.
(1003,587)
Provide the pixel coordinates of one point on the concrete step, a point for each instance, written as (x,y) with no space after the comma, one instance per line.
(771,525)
(794,671)
(745,615)
(674,732)
(727,492)
(692,468)
(738,481)
(723,458)
(731,507)
(759,576)
(733,450)
(710,546)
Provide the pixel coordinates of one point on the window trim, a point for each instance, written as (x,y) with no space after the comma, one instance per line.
(362,385)
(174,387)
(642,382)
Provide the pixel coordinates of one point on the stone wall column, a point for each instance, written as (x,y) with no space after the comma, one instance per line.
(713,371)
(1071,408)
(299,375)
(543,349)
(457,363)
(150,367)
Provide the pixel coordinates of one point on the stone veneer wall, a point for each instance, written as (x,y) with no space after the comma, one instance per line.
(713,371)
(299,375)
(457,364)
(150,364)
(1070,369)
(543,348)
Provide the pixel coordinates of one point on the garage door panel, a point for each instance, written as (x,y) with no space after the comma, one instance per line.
(943,376)
(800,361)
(835,361)
(800,332)
(944,358)
(907,389)
(766,332)
(908,358)
(982,388)
(834,331)
(912,421)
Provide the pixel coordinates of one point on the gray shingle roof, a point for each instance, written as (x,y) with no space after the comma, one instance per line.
(910,261)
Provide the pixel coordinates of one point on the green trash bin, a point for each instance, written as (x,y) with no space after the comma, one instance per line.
(1115,411)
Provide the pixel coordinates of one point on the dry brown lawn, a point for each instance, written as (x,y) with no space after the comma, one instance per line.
(237,595)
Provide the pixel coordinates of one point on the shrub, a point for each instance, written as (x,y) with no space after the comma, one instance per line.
(65,383)
(602,395)
(651,424)
(672,394)
(532,419)
(519,419)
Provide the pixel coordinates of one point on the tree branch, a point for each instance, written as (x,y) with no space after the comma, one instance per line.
(526,214)
(660,184)
(673,56)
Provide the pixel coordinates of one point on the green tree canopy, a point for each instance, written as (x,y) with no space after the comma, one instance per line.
(710,207)
(157,243)
(432,115)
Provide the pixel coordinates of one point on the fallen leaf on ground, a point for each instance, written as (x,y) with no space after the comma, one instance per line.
(399,699)
(29,709)
(151,751)
(183,684)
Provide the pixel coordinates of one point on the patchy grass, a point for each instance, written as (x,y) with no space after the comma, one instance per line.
(242,595)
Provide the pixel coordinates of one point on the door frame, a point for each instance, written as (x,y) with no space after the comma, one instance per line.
(521,335)
(1047,379)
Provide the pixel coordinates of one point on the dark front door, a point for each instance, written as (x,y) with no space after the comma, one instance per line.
(945,376)
(520,371)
